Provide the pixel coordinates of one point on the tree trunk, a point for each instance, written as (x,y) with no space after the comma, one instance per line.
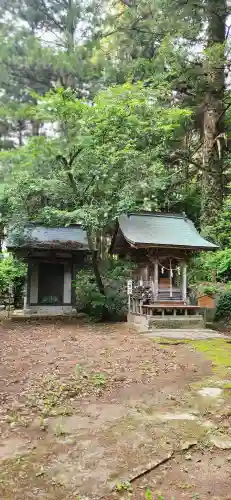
(20,132)
(95,264)
(91,245)
(70,26)
(69,78)
(35,126)
(213,120)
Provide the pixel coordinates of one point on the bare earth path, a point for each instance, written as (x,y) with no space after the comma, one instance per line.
(100,412)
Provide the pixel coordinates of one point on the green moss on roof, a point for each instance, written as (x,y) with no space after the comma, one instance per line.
(46,237)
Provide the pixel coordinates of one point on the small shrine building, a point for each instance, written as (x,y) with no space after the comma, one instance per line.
(160,245)
(53,256)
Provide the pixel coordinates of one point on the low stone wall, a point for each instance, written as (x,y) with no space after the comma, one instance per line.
(171,322)
(167,322)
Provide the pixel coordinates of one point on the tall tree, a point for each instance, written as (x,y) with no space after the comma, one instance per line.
(183,43)
(214,111)
(44,44)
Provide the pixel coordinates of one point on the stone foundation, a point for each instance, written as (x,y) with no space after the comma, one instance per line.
(167,322)
(185,322)
(49,310)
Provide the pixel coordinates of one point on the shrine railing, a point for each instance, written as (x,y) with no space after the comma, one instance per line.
(149,292)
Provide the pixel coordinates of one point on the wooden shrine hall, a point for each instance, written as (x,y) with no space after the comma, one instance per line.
(53,256)
(160,246)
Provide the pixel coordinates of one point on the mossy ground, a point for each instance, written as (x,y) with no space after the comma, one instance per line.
(218,351)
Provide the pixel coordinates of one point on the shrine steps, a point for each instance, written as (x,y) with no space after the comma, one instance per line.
(169,303)
(165,295)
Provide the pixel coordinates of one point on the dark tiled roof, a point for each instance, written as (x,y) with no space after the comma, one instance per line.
(73,237)
(162,230)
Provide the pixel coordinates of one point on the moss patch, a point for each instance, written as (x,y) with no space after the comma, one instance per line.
(216,350)
(162,341)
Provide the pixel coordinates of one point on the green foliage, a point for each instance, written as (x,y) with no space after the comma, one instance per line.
(99,380)
(210,264)
(206,289)
(148,494)
(40,48)
(12,272)
(123,486)
(221,262)
(59,430)
(223,311)
(112,158)
(88,297)
(223,227)
(90,300)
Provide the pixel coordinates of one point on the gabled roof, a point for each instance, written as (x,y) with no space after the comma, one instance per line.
(161,230)
(73,238)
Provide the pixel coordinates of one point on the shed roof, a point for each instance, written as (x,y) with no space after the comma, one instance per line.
(158,229)
(73,238)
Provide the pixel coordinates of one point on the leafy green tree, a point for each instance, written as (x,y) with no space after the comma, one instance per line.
(43,44)
(182,43)
(102,161)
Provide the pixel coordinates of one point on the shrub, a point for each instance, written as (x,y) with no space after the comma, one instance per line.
(114,303)
(206,289)
(12,272)
(223,311)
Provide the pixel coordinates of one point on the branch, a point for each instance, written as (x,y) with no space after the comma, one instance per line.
(66,165)
(49,16)
(74,155)
(228,31)
(205,8)
(128,3)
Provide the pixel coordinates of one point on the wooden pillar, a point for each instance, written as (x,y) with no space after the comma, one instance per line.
(73,293)
(146,274)
(184,281)
(156,279)
(25,295)
(170,276)
(28,286)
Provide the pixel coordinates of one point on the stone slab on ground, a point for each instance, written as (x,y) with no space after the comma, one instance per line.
(183,334)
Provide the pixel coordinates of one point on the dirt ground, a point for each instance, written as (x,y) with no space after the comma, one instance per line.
(100,412)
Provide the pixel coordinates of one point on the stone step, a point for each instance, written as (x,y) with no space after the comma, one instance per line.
(167,296)
(170,303)
(168,293)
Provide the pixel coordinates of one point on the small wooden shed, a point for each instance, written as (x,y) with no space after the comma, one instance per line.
(53,256)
